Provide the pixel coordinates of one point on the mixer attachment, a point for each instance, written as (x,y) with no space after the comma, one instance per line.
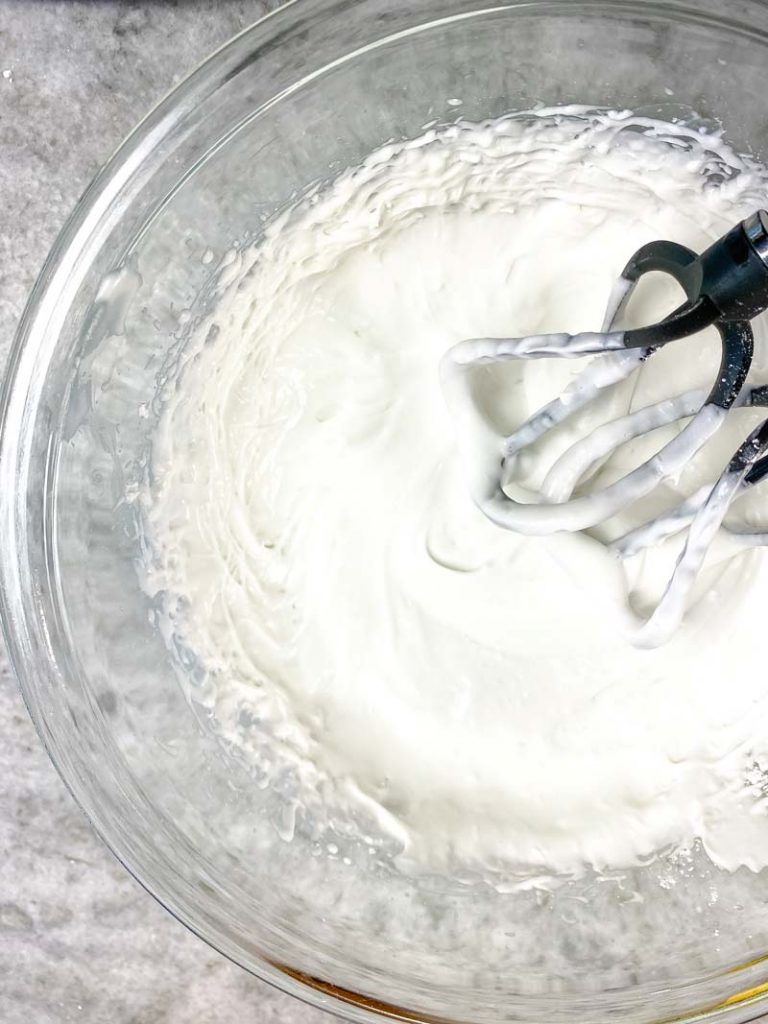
(725,287)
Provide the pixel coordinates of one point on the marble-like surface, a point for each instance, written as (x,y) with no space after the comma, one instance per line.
(80,941)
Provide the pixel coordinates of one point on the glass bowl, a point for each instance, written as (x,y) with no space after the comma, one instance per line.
(295,99)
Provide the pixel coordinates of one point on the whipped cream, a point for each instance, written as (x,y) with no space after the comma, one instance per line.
(347,614)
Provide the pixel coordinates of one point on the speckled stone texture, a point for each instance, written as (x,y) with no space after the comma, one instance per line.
(80,941)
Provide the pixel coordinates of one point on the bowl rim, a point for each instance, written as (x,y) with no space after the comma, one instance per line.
(54,281)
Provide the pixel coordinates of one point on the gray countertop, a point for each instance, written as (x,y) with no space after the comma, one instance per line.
(80,941)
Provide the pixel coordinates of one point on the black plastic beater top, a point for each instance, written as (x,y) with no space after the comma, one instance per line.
(726,286)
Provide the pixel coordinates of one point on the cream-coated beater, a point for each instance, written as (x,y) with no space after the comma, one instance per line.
(726,287)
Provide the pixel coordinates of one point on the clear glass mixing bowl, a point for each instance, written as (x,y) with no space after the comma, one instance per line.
(296,98)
